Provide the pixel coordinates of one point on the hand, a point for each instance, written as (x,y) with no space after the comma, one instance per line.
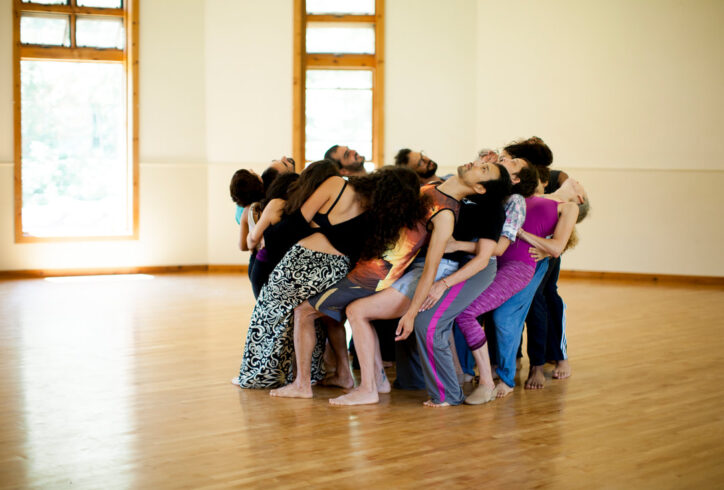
(405,326)
(436,291)
(490,157)
(538,254)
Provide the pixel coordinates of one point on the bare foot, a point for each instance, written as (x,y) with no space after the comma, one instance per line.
(356,397)
(536,379)
(481,394)
(502,390)
(383,384)
(562,369)
(345,382)
(494,369)
(431,403)
(292,391)
(235,381)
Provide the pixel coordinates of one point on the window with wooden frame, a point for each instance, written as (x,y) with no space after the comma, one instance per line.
(76,119)
(338,78)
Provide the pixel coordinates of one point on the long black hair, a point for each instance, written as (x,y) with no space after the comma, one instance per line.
(310,178)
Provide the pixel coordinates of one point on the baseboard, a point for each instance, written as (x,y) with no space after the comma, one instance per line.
(169,269)
(165,269)
(628,276)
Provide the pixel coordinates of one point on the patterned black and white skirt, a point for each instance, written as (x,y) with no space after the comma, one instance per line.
(268,360)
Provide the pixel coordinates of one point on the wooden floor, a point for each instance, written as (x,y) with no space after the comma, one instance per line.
(126,385)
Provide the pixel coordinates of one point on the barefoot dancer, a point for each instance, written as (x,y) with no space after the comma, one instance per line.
(367,277)
(394,302)
(348,224)
(543,217)
(570,191)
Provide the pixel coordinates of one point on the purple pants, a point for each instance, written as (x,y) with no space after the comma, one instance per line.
(512,276)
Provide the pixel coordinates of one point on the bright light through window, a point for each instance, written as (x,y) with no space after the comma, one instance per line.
(75,173)
(338,111)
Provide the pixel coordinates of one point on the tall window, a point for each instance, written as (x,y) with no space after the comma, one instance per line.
(76,119)
(338,77)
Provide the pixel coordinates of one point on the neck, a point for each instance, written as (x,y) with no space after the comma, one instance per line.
(455,187)
(559,195)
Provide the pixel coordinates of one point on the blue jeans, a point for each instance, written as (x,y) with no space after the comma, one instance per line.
(509,319)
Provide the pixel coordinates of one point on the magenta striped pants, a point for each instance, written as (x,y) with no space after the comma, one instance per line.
(512,276)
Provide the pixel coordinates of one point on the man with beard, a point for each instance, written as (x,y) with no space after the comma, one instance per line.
(420,163)
(350,162)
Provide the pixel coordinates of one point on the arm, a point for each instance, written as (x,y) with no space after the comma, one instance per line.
(271,215)
(443,224)
(515,210)
(501,246)
(483,252)
(458,246)
(244,225)
(568,213)
(328,190)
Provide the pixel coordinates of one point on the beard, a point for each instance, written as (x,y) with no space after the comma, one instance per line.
(431,169)
(356,166)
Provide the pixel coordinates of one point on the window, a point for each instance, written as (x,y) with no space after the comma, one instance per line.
(338,77)
(76,119)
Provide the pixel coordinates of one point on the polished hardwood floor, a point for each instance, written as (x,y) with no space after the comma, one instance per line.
(125,384)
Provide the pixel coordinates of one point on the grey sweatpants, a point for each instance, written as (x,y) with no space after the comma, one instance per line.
(432,332)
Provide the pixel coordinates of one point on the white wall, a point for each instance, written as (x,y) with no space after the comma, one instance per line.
(628,94)
(629,97)
(430,91)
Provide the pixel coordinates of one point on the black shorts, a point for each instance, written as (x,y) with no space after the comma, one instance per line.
(334,300)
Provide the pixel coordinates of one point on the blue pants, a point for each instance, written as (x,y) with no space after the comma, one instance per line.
(546,321)
(509,320)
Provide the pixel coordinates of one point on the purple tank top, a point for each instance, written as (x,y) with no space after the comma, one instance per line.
(541,217)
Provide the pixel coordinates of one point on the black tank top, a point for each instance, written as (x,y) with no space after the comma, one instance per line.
(348,237)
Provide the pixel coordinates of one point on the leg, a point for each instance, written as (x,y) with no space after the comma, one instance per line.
(269,347)
(509,320)
(305,338)
(537,327)
(485,389)
(338,340)
(389,303)
(432,331)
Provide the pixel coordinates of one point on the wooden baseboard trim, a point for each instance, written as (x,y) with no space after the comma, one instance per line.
(628,276)
(165,269)
(170,269)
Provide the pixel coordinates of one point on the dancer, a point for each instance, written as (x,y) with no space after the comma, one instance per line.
(420,163)
(350,162)
(546,320)
(351,221)
(367,277)
(406,296)
(271,208)
(511,292)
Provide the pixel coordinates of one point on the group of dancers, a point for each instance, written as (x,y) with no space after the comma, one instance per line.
(335,243)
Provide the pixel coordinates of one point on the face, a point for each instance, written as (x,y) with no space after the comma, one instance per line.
(512,165)
(574,191)
(349,158)
(476,172)
(283,165)
(421,164)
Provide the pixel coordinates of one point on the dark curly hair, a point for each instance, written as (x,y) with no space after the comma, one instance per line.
(529,177)
(310,178)
(245,188)
(535,151)
(391,196)
(403,156)
(279,189)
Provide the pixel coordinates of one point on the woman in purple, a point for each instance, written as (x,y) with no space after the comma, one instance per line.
(515,283)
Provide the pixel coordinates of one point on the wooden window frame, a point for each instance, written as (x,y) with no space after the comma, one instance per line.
(128,56)
(302,60)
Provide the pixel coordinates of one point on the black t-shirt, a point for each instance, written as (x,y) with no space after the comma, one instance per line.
(553,184)
(477,221)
